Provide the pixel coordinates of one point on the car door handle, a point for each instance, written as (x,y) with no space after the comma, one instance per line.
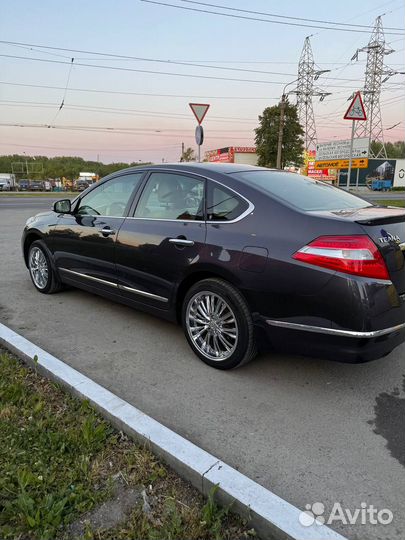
(181,241)
(107,232)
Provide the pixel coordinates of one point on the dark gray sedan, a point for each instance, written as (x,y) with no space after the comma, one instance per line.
(229,251)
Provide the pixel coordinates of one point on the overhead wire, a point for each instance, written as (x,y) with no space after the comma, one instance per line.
(244,17)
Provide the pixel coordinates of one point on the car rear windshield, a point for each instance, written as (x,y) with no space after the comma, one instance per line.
(300,191)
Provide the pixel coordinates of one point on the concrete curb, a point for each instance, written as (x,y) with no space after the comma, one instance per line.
(272,517)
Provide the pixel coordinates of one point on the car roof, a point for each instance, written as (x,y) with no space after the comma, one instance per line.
(223,168)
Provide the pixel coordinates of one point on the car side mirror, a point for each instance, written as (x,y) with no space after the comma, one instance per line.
(63,206)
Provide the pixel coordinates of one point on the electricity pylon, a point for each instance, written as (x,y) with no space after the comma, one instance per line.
(305,91)
(375,75)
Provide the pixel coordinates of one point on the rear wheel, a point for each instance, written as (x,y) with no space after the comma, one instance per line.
(42,275)
(218,324)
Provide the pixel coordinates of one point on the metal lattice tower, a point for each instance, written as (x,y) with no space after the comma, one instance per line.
(375,75)
(305,91)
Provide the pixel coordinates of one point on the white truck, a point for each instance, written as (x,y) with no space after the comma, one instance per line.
(8,182)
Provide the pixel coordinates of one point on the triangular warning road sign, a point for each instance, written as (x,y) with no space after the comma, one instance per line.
(356,109)
(199,110)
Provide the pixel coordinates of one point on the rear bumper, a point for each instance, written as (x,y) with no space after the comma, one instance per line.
(335,344)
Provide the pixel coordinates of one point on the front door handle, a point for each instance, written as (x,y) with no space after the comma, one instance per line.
(181,241)
(107,231)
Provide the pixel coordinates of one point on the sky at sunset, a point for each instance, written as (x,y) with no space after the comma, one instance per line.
(122,110)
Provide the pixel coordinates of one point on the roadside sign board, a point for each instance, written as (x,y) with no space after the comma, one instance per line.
(199,110)
(399,178)
(356,109)
(341,149)
(361,163)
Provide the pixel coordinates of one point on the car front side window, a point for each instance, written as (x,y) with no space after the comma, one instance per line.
(171,196)
(110,198)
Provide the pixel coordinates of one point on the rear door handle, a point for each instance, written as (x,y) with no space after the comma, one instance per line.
(107,231)
(181,241)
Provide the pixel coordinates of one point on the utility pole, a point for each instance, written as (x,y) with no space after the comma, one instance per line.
(182,151)
(280,131)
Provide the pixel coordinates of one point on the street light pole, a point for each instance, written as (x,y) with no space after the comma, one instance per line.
(280,131)
(281,124)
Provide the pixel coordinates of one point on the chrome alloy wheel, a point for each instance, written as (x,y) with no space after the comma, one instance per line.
(212,325)
(39,268)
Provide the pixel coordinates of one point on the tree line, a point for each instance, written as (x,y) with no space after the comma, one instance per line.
(42,167)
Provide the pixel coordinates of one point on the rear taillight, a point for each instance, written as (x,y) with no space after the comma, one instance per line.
(356,255)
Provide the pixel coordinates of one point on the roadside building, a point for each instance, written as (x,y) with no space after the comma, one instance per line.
(233,154)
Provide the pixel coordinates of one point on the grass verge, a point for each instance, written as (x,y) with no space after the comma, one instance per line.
(393,202)
(60,461)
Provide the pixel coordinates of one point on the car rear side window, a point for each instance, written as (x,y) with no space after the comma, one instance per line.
(224,205)
(171,196)
(301,191)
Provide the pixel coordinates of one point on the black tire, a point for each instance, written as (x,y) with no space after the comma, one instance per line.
(52,283)
(243,347)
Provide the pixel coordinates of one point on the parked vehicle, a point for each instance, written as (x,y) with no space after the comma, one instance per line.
(5,185)
(36,185)
(81,185)
(381,185)
(89,177)
(227,249)
(23,185)
(7,182)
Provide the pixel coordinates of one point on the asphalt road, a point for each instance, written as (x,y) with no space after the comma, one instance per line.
(38,204)
(310,430)
(383,195)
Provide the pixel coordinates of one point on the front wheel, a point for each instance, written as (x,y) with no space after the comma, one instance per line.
(42,275)
(218,324)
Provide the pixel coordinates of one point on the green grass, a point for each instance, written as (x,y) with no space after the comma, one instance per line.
(59,459)
(55,194)
(393,202)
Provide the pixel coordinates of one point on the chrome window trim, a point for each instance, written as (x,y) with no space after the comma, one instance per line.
(104,281)
(335,331)
(96,216)
(121,287)
(248,211)
(143,293)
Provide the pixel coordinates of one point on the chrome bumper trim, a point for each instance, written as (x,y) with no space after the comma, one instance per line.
(335,331)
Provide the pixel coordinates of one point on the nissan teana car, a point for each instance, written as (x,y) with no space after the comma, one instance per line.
(230,251)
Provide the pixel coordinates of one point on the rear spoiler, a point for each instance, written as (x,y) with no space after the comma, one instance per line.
(384,220)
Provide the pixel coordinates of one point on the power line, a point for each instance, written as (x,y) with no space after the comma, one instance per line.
(115,110)
(184,75)
(155,60)
(233,16)
(64,90)
(120,149)
(121,130)
(116,68)
(127,93)
(282,16)
(37,47)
